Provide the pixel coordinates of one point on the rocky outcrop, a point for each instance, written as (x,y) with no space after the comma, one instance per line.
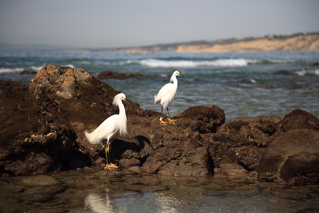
(293,157)
(203,118)
(300,119)
(42,126)
(42,130)
(238,145)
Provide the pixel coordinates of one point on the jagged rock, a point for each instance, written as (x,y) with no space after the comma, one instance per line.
(293,157)
(182,159)
(243,140)
(46,132)
(205,118)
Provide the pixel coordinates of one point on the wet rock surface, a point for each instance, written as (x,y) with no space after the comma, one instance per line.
(42,132)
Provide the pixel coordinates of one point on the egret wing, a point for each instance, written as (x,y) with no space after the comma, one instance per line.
(163,92)
(106,128)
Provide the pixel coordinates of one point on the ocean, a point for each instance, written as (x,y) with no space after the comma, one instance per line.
(242,84)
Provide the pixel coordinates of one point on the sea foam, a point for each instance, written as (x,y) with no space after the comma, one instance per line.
(11,70)
(68,65)
(189,63)
(37,68)
(19,69)
(316,72)
(307,72)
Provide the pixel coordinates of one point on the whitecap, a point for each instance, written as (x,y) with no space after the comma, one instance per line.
(162,63)
(316,72)
(35,68)
(253,81)
(230,62)
(68,65)
(126,62)
(187,63)
(85,62)
(301,72)
(11,70)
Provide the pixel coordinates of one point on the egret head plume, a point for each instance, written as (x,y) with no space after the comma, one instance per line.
(118,98)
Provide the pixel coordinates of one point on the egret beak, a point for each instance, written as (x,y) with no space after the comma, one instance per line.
(126,101)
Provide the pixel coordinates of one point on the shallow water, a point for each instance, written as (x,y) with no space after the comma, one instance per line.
(88,191)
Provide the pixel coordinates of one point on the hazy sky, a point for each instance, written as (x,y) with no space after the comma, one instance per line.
(119,23)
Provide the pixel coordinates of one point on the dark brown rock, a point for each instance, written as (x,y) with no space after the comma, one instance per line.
(243,140)
(231,169)
(109,74)
(293,157)
(300,119)
(27,72)
(42,126)
(183,159)
(206,118)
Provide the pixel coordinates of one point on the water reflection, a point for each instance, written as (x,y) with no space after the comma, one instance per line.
(95,192)
(189,194)
(97,203)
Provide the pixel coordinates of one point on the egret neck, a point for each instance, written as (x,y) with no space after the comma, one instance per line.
(122,120)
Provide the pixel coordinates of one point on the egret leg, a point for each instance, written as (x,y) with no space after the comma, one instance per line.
(109,165)
(161,119)
(169,118)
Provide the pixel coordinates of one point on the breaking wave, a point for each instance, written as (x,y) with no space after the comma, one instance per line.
(35,68)
(11,70)
(307,72)
(31,68)
(189,63)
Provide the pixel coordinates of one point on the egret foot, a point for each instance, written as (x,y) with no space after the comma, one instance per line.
(162,122)
(110,166)
(171,121)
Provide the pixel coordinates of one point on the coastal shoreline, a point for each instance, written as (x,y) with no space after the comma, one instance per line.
(63,102)
(297,43)
(288,43)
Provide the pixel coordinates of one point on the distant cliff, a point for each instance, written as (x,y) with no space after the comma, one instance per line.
(290,43)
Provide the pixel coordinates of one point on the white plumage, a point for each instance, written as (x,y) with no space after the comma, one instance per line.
(112,125)
(166,95)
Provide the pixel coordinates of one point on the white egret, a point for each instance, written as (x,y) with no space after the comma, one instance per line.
(109,128)
(166,96)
